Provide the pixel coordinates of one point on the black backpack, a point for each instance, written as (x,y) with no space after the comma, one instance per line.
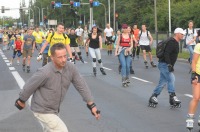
(160,48)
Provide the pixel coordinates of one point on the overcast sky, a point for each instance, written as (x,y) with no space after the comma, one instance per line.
(11,4)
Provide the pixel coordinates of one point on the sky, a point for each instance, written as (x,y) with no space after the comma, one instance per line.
(11,4)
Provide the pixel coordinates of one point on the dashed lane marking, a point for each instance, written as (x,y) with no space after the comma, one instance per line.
(188,95)
(12,68)
(6,60)
(107,68)
(141,79)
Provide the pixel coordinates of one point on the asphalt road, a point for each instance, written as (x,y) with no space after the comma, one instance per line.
(122,109)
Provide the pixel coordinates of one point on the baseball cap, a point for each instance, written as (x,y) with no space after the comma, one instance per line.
(124,26)
(179,30)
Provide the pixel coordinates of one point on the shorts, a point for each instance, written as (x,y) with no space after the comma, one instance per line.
(75,49)
(1,40)
(147,48)
(109,40)
(198,76)
(27,52)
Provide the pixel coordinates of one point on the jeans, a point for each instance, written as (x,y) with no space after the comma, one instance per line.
(125,63)
(166,78)
(191,50)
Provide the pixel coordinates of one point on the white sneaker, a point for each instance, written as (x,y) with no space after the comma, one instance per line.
(17,62)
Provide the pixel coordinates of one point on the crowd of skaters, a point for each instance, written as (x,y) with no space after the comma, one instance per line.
(127,42)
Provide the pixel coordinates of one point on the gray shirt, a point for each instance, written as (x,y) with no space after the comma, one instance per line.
(49,86)
(28,41)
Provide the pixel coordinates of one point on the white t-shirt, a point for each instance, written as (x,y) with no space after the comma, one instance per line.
(144,39)
(108,32)
(85,34)
(79,31)
(190,36)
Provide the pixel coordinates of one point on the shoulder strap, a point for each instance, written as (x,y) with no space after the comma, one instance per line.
(193,30)
(51,36)
(140,33)
(186,32)
(64,35)
(147,33)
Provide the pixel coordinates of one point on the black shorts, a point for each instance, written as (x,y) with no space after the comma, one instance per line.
(109,40)
(147,48)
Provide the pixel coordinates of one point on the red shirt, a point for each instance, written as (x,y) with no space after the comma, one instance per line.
(18,44)
(136,33)
(125,42)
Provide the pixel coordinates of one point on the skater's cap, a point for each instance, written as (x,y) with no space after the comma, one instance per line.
(179,30)
(124,26)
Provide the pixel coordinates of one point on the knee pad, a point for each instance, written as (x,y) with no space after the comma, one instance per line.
(99,61)
(94,60)
(73,54)
(79,53)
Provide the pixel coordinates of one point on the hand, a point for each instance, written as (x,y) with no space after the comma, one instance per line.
(151,42)
(116,53)
(19,104)
(170,68)
(194,78)
(32,50)
(39,57)
(94,110)
(21,51)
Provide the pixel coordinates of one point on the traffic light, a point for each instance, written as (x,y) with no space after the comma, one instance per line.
(71,3)
(53,4)
(91,3)
(2,9)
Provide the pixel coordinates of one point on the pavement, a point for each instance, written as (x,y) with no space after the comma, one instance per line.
(122,109)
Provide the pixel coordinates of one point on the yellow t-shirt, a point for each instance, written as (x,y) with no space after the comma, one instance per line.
(38,36)
(197,50)
(57,38)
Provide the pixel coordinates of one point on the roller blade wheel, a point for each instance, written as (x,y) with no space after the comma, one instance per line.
(153,65)
(28,69)
(95,71)
(124,85)
(153,105)
(176,106)
(23,68)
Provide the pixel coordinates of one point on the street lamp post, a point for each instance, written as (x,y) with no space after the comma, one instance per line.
(109,11)
(114,15)
(43,15)
(170,29)
(156,24)
(38,14)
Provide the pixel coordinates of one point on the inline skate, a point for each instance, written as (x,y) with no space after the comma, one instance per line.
(174,101)
(146,64)
(153,101)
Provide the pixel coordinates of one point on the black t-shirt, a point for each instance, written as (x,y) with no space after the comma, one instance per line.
(73,38)
(94,43)
(171,52)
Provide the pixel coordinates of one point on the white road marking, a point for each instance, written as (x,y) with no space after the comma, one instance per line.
(6,60)
(12,68)
(141,79)
(19,79)
(107,68)
(8,64)
(188,95)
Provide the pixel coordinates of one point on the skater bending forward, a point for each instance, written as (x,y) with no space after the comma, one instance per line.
(123,51)
(195,81)
(49,85)
(166,68)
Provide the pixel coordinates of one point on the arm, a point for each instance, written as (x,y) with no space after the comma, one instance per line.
(43,47)
(168,50)
(100,42)
(151,38)
(194,77)
(83,89)
(22,46)
(33,48)
(117,45)
(36,81)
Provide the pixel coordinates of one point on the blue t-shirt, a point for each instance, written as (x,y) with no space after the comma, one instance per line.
(28,41)
(1,35)
(46,49)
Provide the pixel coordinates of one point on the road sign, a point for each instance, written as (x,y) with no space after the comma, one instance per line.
(76,4)
(58,5)
(96,3)
(41,23)
(80,22)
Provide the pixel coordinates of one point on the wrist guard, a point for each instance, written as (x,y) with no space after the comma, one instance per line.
(92,106)
(18,105)
(194,76)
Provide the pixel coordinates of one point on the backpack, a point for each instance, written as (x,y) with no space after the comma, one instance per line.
(141,33)
(160,48)
(185,45)
(53,35)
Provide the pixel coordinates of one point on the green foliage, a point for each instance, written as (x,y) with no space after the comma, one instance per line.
(130,12)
